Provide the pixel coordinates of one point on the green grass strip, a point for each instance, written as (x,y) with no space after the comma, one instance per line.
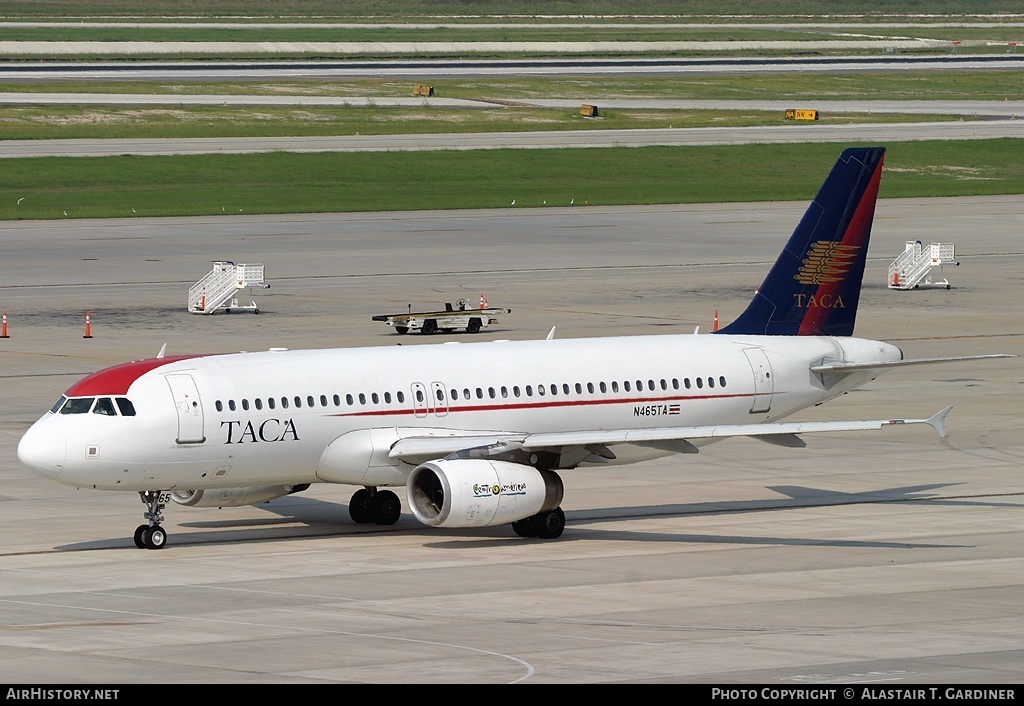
(281,182)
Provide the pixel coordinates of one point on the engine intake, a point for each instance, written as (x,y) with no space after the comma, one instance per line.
(479,492)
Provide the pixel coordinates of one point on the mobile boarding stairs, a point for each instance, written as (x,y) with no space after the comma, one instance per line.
(915,268)
(219,289)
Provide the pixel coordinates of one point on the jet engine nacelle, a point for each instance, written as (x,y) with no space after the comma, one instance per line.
(480,493)
(233,497)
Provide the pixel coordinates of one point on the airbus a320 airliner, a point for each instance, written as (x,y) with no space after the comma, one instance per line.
(476,444)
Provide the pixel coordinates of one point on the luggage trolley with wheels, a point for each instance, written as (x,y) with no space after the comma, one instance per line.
(460,317)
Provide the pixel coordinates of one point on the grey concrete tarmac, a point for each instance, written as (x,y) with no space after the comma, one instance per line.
(881,557)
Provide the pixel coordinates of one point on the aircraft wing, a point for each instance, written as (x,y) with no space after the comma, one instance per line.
(678,439)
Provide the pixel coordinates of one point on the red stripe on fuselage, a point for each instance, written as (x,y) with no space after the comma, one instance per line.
(117,379)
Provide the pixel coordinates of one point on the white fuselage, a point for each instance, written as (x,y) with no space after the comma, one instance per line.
(294,417)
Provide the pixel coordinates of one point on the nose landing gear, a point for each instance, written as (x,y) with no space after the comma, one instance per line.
(152,536)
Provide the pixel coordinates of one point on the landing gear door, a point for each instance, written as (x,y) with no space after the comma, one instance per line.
(763,384)
(189,408)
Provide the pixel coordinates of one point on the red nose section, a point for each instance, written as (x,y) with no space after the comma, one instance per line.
(117,380)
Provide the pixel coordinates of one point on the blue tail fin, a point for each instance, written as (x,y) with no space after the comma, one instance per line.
(814,286)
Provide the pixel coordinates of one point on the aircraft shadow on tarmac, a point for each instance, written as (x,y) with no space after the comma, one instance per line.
(297,517)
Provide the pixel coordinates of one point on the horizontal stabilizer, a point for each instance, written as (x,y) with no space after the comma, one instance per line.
(839,367)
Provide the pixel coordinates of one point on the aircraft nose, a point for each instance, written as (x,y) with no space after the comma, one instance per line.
(44,450)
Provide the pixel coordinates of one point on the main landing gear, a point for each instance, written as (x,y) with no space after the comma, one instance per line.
(545,525)
(369,505)
(152,536)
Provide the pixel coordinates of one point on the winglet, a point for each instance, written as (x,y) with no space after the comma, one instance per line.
(551,334)
(938,422)
(163,351)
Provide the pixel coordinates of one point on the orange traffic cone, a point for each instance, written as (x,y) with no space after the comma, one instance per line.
(88,327)
(3,327)
(895,279)
(716,321)
(483,302)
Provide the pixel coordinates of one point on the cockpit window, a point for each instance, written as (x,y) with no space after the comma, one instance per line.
(104,405)
(125,406)
(77,405)
(59,404)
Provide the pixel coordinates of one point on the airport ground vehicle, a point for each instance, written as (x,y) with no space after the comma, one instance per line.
(458,317)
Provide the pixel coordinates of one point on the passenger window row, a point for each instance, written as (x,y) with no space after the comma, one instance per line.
(350,400)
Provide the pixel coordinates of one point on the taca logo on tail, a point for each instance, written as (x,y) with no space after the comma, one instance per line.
(814,286)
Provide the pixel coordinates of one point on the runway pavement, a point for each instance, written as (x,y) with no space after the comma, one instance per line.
(846,133)
(888,557)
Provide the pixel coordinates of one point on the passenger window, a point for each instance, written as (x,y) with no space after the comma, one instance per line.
(125,406)
(579,388)
(375,398)
(310,401)
(298,402)
(284,403)
(258,403)
(337,400)
(362,398)
(219,405)
(625,386)
(515,390)
(615,386)
(104,405)
(271,402)
(504,391)
(349,400)
(700,383)
(711,382)
(245,405)
(419,396)
(58,404)
(686,383)
(323,400)
(721,381)
(79,405)
(540,390)
(231,405)
(400,396)
(529,390)
(675,383)
(387,397)
(565,388)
